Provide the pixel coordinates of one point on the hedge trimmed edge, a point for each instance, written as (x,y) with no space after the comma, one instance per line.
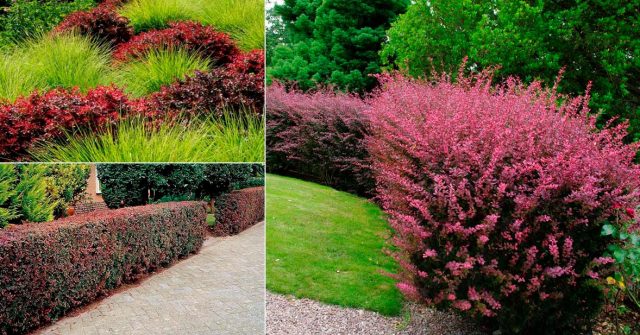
(238,210)
(48,269)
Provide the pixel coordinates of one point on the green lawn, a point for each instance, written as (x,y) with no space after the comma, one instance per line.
(328,245)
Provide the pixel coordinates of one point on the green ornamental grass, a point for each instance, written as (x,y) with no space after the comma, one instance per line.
(156,69)
(242,19)
(155,14)
(228,139)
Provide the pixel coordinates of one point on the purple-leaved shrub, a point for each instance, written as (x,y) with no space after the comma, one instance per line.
(319,136)
(497,195)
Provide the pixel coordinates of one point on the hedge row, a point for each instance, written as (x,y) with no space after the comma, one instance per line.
(319,136)
(46,270)
(238,210)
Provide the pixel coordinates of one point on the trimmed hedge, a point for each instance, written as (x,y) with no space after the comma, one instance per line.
(238,210)
(48,269)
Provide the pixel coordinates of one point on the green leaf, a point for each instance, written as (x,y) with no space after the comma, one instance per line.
(608,230)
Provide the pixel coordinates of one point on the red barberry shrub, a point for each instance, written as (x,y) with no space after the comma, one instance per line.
(319,136)
(217,91)
(48,115)
(497,196)
(251,62)
(102,23)
(48,269)
(238,210)
(208,42)
(111,4)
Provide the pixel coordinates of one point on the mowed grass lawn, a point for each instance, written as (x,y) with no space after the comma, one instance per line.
(328,246)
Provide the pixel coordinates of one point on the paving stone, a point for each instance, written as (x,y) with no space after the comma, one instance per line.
(218,291)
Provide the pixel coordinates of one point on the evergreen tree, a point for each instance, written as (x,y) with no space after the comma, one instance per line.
(332,42)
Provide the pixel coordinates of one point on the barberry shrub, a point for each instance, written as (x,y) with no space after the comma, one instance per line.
(497,196)
(218,91)
(319,136)
(216,46)
(48,269)
(238,210)
(102,23)
(45,116)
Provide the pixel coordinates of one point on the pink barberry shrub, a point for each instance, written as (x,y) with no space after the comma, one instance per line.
(497,196)
(319,136)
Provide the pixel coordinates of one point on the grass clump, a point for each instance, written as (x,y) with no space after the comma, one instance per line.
(328,246)
(158,68)
(52,61)
(228,139)
(243,20)
(155,14)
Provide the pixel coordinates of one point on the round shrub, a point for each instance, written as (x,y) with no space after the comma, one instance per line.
(497,196)
(102,23)
(216,46)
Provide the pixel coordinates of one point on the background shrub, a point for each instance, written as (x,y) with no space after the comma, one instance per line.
(238,210)
(49,115)
(319,136)
(31,18)
(216,46)
(31,197)
(102,23)
(46,270)
(137,184)
(8,180)
(66,183)
(497,196)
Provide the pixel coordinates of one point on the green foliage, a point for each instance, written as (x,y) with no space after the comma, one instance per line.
(328,246)
(332,42)
(65,184)
(275,33)
(158,68)
(243,20)
(227,139)
(8,179)
(155,14)
(30,18)
(595,40)
(31,194)
(624,294)
(137,184)
(51,61)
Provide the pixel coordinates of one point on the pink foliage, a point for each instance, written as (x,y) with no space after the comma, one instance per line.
(319,136)
(497,195)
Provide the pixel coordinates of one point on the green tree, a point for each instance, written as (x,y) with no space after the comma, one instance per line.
(332,42)
(8,179)
(596,41)
(32,198)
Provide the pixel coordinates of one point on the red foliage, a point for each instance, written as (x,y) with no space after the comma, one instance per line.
(319,136)
(497,196)
(102,22)
(251,62)
(48,269)
(207,92)
(46,116)
(208,42)
(238,210)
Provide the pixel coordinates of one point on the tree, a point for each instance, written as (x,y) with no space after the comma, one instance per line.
(595,41)
(332,42)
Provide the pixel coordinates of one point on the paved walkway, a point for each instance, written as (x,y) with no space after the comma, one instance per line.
(218,291)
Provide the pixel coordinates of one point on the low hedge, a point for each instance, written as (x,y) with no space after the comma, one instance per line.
(48,269)
(238,210)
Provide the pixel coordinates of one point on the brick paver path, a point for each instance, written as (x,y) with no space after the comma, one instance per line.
(218,291)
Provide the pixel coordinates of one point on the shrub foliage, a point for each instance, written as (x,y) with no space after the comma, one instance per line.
(319,136)
(238,210)
(497,196)
(75,260)
(102,23)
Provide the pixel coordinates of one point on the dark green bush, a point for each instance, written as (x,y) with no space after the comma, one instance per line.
(138,184)
(24,19)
